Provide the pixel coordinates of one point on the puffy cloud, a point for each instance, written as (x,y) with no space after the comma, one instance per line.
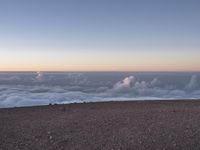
(193,83)
(125,85)
(155,82)
(141,85)
(40,76)
(131,85)
(152,88)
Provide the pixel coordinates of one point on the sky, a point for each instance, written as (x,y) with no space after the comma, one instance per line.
(99,35)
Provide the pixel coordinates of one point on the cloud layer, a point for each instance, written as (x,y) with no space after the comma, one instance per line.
(29,89)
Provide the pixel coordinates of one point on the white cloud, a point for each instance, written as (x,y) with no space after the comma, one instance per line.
(193,83)
(155,82)
(40,76)
(125,85)
(79,88)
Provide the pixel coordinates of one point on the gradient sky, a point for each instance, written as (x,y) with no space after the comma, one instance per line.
(99,35)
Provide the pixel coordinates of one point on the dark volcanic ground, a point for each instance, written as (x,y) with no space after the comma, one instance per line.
(147,125)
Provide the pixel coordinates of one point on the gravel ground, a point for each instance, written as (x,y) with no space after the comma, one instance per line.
(139,125)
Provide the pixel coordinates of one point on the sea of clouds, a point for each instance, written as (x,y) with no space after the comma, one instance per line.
(42,88)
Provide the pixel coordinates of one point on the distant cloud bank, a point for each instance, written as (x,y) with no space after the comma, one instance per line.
(30,89)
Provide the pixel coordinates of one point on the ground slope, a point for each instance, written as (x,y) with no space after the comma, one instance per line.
(103,126)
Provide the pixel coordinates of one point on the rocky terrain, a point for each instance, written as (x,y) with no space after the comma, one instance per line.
(139,125)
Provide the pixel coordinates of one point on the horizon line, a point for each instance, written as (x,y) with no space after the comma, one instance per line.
(103,71)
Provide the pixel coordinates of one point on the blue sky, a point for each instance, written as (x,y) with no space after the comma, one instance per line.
(115,35)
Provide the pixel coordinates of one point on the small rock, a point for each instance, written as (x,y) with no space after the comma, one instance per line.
(50,137)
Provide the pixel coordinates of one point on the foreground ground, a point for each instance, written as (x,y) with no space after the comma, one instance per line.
(150,125)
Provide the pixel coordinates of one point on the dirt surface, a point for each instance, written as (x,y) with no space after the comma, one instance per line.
(144,125)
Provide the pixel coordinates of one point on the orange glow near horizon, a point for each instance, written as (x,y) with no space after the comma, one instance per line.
(98,61)
(97,67)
